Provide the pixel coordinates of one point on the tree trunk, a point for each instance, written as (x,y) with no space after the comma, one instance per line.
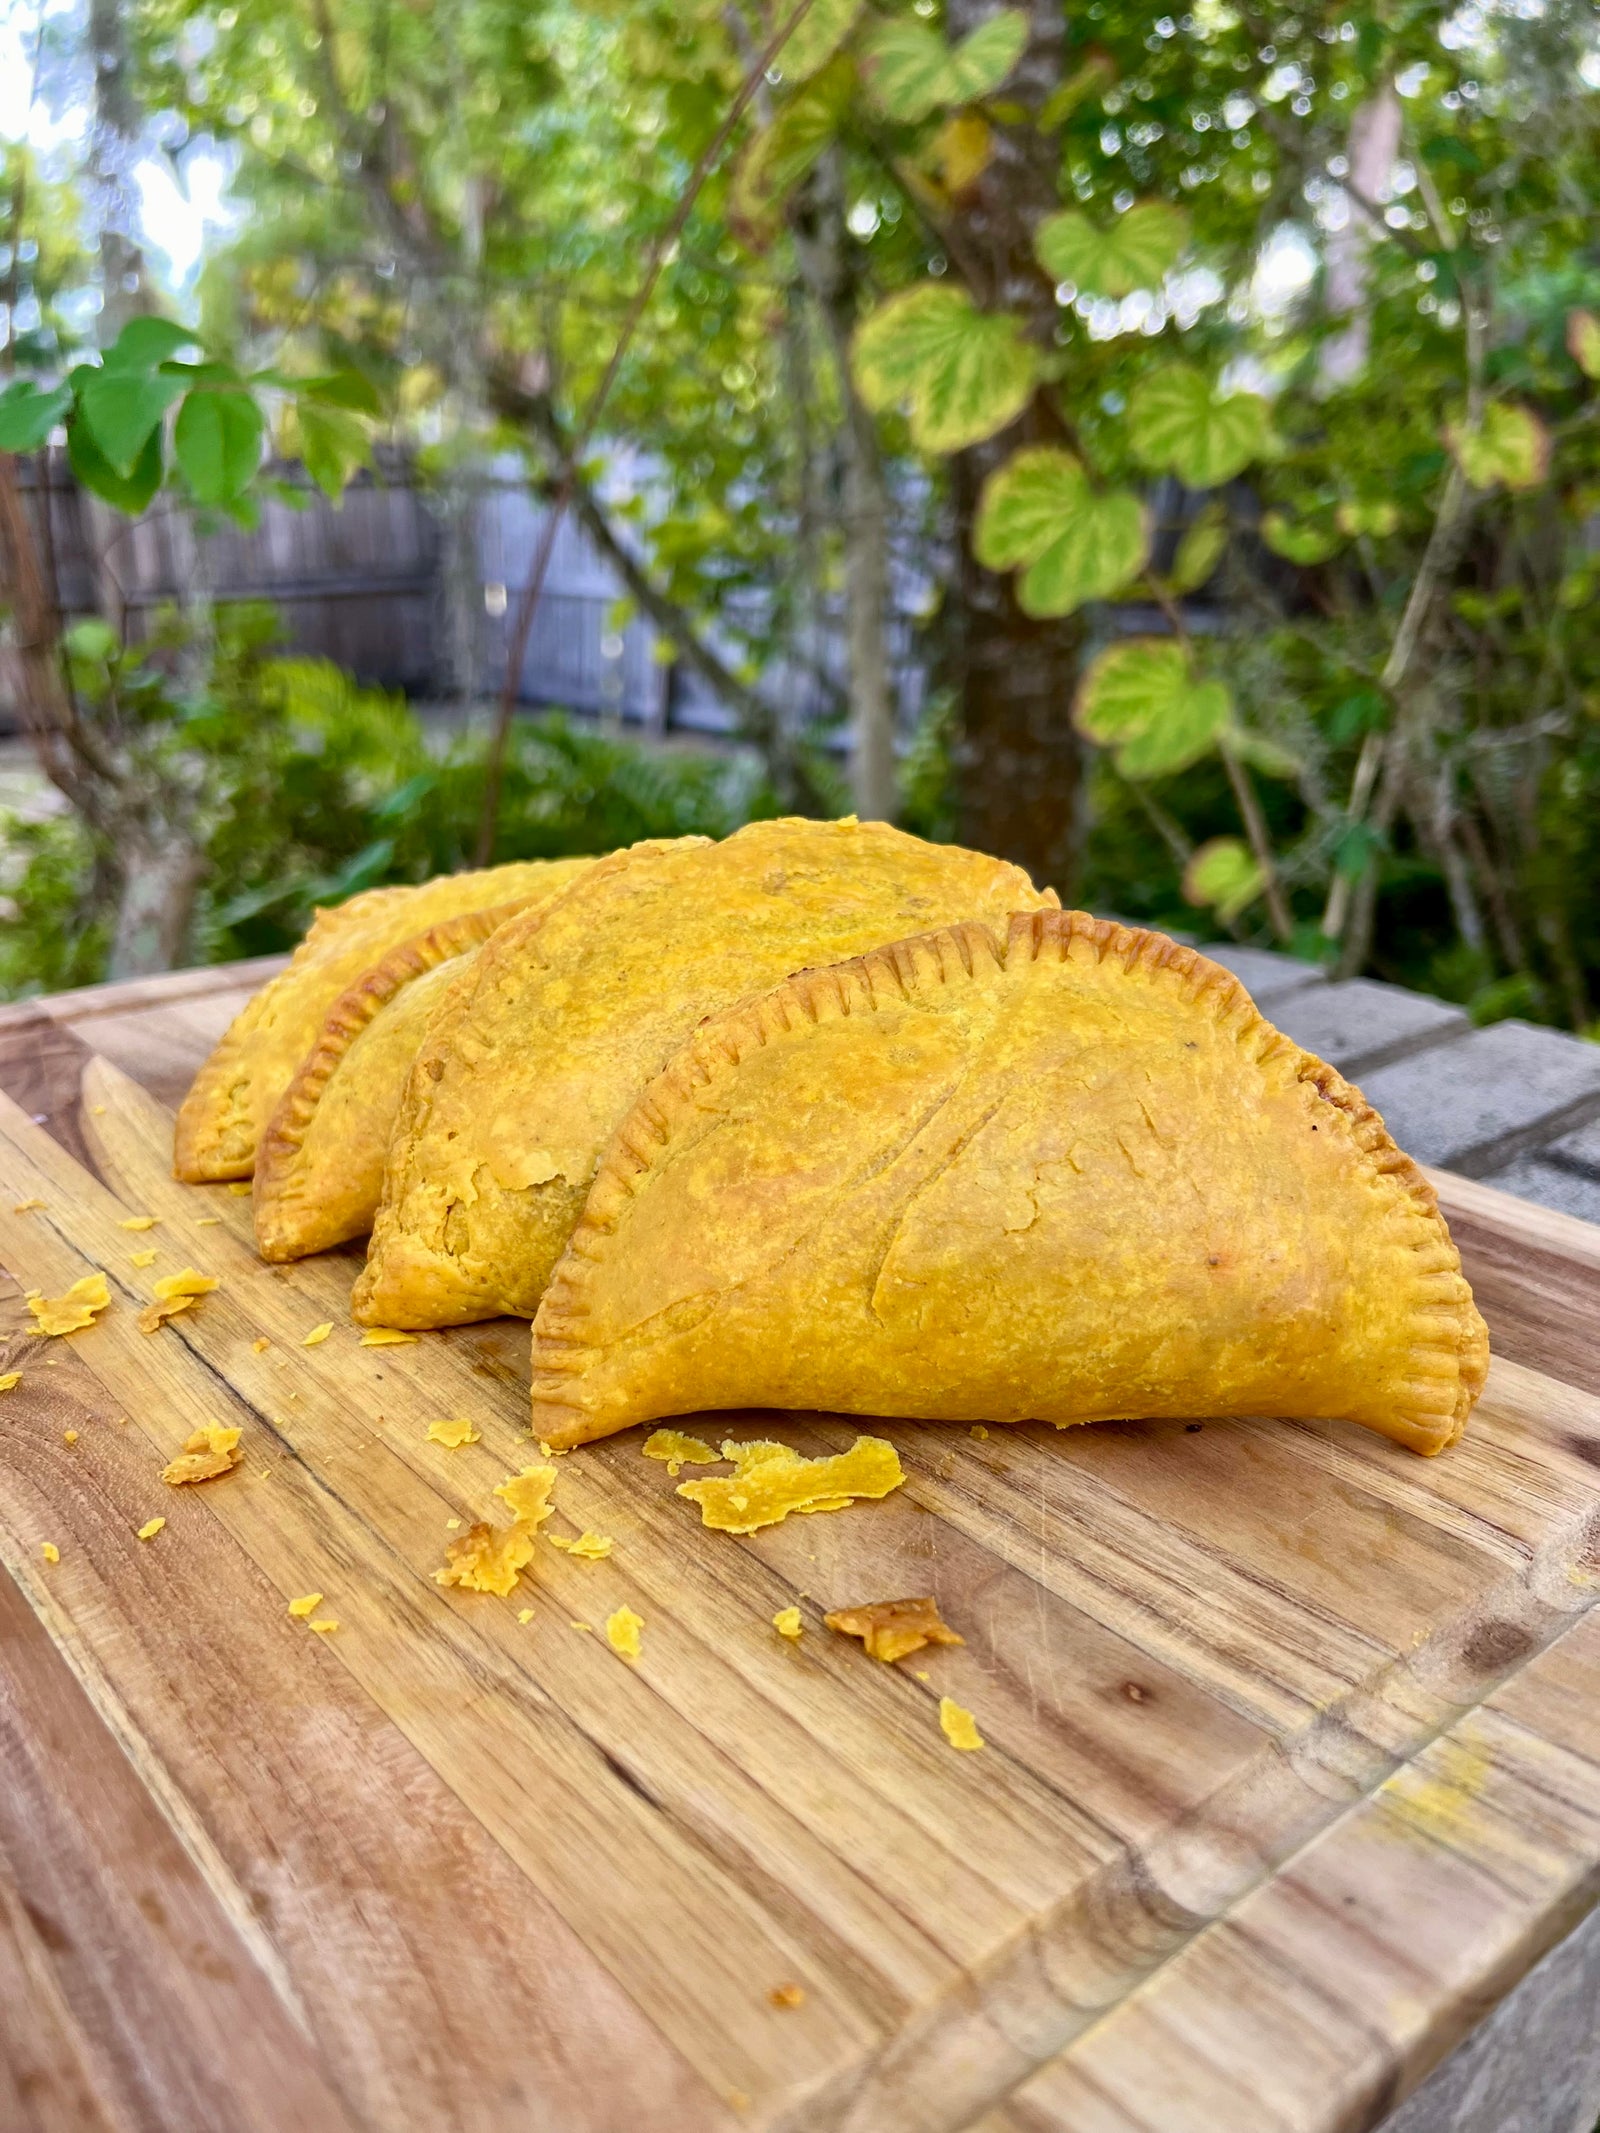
(160,879)
(1019,763)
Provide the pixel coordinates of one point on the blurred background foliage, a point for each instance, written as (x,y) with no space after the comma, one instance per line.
(1365,232)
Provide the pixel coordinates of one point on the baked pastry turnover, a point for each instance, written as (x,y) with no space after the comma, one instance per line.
(238,1088)
(1062,1171)
(531,1062)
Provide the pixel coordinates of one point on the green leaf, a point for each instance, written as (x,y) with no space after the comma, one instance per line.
(28,415)
(1583,341)
(1038,510)
(1224,875)
(963,373)
(912,71)
(1365,711)
(342,388)
(1510,447)
(90,640)
(144,343)
(1133,253)
(1296,541)
(778,157)
(1373,515)
(821,31)
(1200,551)
(1271,758)
(1177,421)
(985,56)
(125,492)
(1093,78)
(123,409)
(217,441)
(332,445)
(1141,698)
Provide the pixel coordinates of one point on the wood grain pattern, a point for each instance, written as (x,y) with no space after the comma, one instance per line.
(481,1864)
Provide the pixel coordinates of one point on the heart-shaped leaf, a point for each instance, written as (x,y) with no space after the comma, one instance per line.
(1133,253)
(1142,699)
(1177,420)
(1039,511)
(125,492)
(1223,874)
(332,445)
(145,342)
(780,155)
(912,71)
(963,148)
(1583,341)
(1295,540)
(815,38)
(123,408)
(1511,446)
(963,373)
(217,442)
(1372,515)
(28,414)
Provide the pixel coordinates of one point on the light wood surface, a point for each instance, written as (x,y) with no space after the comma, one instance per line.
(1285,1781)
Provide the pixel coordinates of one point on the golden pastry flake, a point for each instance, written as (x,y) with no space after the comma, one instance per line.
(677,1450)
(524,1615)
(387,1337)
(893,1629)
(453,1432)
(69,1436)
(50,1552)
(622,1632)
(788,1995)
(260,1347)
(241,1188)
(589,1547)
(138,1222)
(527,1495)
(9,1380)
(72,1312)
(770,1480)
(307,1604)
(318,1334)
(143,1259)
(788,1623)
(209,1222)
(958,1726)
(324,1626)
(150,1528)
(487,1559)
(212,1450)
(29,1207)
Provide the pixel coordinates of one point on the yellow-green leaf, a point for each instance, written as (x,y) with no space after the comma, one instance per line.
(780,155)
(1295,540)
(1134,252)
(1199,551)
(815,38)
(1223,874)
(963,147)
(1039,511)
(1143,699)
(1093,78)
(913,71)
(1177,420)
(963,374)
(1372,515)
(1511,446)
(1583,341)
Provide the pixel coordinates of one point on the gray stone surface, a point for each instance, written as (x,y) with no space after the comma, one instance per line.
(1533,2066)
(1362,1025)
(1265,976)
(1478,1102)
(1581,1149)
(1568,1191)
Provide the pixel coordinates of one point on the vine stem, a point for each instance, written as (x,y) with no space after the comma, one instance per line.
(583,436)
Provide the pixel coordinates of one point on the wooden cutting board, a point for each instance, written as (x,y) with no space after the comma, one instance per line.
(1293,1739)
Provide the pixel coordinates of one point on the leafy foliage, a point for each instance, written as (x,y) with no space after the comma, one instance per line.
(1178,421)
(912,71)
(1224,874)
(1510,446)
(1039,511)
(1142,698)
(963,373)
(1135,252)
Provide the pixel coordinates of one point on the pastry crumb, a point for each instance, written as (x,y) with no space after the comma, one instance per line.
(893,1629)
(527,1495)
(787,1622)
(787,1995)
(485,1559)
(29,1207)
(209,1222)
(142,1259)
(677,1450)
(69,1436)
(977,1430)
(50,1552)
(324,1626)
(9,1380)
(454,1524)
(138,1222)
(307,1604)
(318,1334)
(452,1434)
(589,1547)
(212,1450)
(387,1337)
(581,1625)
(72,1312)
(150,1528)
(524,1614)
(770,1480)
(98,1110)
(958,1726)
(175,1293)
(622,1632)
(260,1346)
(241,1188)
